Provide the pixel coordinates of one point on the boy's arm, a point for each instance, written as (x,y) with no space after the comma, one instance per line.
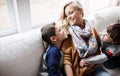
(113,50)
(52,60)
(98,59)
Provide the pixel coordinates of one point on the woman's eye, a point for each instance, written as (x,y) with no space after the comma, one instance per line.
(59,30)
(70,12)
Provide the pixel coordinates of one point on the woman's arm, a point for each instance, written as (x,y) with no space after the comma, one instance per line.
(68,70)
(68,62)
(67,49)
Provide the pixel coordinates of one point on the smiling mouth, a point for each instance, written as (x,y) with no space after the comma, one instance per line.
(72,21)
(68,35)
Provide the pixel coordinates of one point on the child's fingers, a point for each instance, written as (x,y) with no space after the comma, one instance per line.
(82,63)
(89,64)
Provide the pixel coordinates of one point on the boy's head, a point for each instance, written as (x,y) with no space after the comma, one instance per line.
(112,34)
(53,34)
(48,31)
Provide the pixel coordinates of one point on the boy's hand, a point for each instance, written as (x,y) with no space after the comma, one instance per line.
(84,63)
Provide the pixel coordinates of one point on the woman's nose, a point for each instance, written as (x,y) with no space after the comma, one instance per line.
(63,31)
(69,17)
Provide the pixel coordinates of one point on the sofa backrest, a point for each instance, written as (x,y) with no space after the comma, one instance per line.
(103,17)
(20,55)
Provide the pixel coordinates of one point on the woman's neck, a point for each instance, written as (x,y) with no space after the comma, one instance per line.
(82,24)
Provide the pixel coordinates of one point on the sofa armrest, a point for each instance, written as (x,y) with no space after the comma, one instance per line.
(20,55)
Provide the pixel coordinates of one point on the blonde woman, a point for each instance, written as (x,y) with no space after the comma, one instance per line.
(84,42)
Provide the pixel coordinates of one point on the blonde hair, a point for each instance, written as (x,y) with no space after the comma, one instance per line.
(63,24)
(76,4)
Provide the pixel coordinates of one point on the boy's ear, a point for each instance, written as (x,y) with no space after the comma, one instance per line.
(53,38)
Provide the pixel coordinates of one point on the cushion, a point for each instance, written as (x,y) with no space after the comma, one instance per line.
(103,17)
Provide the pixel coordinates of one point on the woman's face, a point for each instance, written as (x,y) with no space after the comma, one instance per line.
(73,15)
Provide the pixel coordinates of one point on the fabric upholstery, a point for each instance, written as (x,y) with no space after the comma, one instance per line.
(20,55)
(103,17)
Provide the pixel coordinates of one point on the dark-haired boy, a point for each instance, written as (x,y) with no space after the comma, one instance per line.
(110,56)
(53,35)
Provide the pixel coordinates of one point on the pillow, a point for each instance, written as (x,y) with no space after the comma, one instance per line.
(103,17)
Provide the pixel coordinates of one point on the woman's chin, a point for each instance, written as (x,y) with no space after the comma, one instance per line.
(72,23)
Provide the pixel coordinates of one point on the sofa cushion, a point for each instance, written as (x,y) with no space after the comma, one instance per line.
(103,17)
(20,55)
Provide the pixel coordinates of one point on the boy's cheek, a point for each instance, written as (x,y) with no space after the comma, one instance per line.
(106,40)
(103,39)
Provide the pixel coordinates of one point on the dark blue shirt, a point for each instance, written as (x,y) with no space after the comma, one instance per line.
(53,60)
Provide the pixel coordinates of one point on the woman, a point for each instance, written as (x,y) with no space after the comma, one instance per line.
(84,41)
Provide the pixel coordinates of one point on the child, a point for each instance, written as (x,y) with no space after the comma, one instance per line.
(110,48)
(54,36)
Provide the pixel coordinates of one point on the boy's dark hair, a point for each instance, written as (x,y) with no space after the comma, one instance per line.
(48,31)
(114,32)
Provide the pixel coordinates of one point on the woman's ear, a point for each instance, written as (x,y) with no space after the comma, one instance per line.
(81,11)
(53,38)
(83,14)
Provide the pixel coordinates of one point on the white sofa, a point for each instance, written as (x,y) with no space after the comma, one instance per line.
(20,55)
(103,17)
